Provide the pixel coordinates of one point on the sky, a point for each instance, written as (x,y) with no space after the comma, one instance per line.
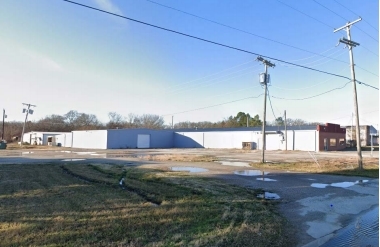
(60,57)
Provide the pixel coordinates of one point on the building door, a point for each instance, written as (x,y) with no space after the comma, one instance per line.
(143,141)
(325,144)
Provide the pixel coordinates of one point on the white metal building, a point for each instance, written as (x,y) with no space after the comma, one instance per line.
(42,138)
(301,139)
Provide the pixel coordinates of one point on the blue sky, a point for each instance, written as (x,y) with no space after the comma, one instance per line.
(63,57)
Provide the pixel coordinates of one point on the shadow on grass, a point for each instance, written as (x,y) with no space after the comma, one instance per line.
(370,173)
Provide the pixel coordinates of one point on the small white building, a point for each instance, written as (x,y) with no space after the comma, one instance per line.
(42,138)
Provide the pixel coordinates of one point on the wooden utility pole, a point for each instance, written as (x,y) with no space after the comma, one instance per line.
(264,79)
(350,44)
(4,116)
(286,132)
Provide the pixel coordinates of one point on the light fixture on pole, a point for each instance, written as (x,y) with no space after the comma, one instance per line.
(27,111)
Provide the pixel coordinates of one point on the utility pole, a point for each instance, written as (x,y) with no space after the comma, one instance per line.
(286,133)
(172,122)
(350,44)
(27,110)
(264,79)
(2,133)
(247,120)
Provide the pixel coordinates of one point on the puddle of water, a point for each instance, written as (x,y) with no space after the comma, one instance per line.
(266,179)
(338,185)
(318,185)
(364,231)
(347,184)
(233,163)
(188,169)
(83,153)
(250,173)
(73,159)
(269,196)
(311,179)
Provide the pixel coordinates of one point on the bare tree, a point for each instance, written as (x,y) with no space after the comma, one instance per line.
(116,121)
(151,121)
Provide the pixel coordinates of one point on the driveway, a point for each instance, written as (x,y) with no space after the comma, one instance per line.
(321,208)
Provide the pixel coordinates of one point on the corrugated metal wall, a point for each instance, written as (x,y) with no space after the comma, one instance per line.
(213,139)
(127,138)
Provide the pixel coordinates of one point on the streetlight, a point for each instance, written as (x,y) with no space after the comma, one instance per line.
(27,111)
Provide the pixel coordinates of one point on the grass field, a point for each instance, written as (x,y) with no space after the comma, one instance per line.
(340,166)
(84,205)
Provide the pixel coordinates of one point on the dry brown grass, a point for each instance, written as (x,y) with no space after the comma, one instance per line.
(83,205)
(179,157)
(15,146)
(343,166)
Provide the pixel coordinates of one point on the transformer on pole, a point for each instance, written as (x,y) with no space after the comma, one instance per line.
(350,44)
(264,80)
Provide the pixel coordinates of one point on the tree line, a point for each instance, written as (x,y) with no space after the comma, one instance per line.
(74,120)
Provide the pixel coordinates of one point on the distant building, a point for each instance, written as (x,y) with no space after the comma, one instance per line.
(42,138)
(329,137)
(365,134)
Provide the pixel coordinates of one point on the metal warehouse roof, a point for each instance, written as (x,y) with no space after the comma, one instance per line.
(267,128)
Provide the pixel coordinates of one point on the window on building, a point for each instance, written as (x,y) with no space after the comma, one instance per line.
(332,142)
(341,142)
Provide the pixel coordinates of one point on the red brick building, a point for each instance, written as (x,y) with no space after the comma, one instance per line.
(331,137)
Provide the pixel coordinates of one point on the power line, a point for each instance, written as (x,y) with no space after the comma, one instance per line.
(305,14)
(365,84)
(241,30)
(211,106)
(235,66)
(302,88)
(205,40)
(351,114)
(329,27)
(229,76)
(355,14)
(270,103)
(343,19)
(209,41)
(315,95)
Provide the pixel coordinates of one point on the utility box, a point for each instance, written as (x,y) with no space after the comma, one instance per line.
(248,145)
(3,145)
(264,79)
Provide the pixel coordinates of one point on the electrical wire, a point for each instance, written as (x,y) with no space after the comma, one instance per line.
(356,15)
(332,28)
(305,14)
(315,95)
(365,84)
(341,52)
(238,29)
(270,103)
(205,40)
(314,85)
(211,106)
(195,86)
(344,19)
(219,72)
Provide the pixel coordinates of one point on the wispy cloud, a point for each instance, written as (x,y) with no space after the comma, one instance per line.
(108,6)
(41,60)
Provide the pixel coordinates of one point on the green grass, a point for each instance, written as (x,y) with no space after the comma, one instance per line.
(83,205)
